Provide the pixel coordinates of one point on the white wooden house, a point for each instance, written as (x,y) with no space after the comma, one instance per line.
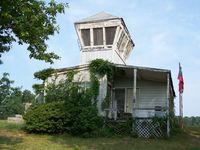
(140,91)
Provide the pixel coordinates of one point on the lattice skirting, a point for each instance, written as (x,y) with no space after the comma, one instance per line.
(146,128)
(118,127)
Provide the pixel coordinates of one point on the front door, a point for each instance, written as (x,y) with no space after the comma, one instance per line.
(120,99)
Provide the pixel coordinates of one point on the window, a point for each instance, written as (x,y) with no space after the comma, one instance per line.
(98,36)
(85,34)
(110,35)
(128,49)
(120,39)
(123,43)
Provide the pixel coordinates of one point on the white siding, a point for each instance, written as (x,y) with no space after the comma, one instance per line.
(87,56)
(152,94)
(81,76)
(149,95)
(116,58)
(102,93)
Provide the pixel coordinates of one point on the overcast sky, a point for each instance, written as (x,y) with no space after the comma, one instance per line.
(165,32)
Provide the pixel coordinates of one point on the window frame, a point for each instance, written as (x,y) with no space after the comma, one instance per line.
(82,37)
(115,27)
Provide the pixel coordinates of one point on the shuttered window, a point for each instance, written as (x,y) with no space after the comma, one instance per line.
(110,35)
(85,34)
(98,36)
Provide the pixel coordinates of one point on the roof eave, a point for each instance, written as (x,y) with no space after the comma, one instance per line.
(94,21)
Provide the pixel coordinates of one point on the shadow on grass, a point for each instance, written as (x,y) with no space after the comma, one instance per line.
(97,143)
(71,141)
(8,143)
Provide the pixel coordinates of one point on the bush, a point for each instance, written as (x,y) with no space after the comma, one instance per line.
(78,116)
(86,123)
(46,118)
(69,107)
(175,126)
(84,120)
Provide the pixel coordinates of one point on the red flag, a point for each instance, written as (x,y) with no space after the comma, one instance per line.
(180,78)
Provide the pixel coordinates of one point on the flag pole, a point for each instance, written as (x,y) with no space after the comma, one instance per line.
(181,87)
(181,109)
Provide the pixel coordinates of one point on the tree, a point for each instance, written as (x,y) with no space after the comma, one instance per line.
(12,99)
(27,96)
(29,22)
(13,104)
(5,88)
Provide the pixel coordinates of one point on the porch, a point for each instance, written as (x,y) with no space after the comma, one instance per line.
(142,93)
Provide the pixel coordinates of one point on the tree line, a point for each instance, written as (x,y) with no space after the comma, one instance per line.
(192,121)
(12,99)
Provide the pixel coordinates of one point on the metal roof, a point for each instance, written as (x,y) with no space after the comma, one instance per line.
(98,17)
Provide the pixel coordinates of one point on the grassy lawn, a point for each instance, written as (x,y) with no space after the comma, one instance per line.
(13,138)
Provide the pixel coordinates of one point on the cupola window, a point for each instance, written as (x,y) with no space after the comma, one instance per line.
(85,34)
(98,36)
(110,34)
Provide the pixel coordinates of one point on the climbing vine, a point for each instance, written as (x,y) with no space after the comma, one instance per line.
(100,68)
(43,74)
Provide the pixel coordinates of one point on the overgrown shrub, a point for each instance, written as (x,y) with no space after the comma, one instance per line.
(86,123)
(175,126)
(73,111)
(84,119)
(79,115)
(46,118)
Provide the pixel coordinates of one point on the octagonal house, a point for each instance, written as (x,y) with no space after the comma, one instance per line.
(141,92)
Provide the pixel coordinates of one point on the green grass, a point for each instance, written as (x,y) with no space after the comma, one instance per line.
(12,137)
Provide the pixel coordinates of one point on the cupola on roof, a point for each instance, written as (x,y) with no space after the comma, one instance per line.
(103,36)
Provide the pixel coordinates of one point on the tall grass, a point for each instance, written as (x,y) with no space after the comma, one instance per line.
(13,138)
(10,126)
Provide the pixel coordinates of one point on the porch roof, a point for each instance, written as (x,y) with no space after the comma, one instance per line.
(147,73)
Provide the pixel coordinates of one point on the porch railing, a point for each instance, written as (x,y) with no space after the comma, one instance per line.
(147,112)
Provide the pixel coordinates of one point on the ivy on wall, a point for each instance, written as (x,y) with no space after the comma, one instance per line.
(100,68)
(44,74)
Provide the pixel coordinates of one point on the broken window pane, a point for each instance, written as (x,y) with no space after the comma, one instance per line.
(85,34)
(98,36)
(110,35)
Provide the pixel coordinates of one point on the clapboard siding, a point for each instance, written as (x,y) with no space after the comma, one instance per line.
(152,94)
(88,56)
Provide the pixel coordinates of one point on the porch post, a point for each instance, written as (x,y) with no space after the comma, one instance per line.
(44,94)
(168,98)
(134,89)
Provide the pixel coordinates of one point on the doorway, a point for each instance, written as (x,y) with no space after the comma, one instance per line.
(120,99)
